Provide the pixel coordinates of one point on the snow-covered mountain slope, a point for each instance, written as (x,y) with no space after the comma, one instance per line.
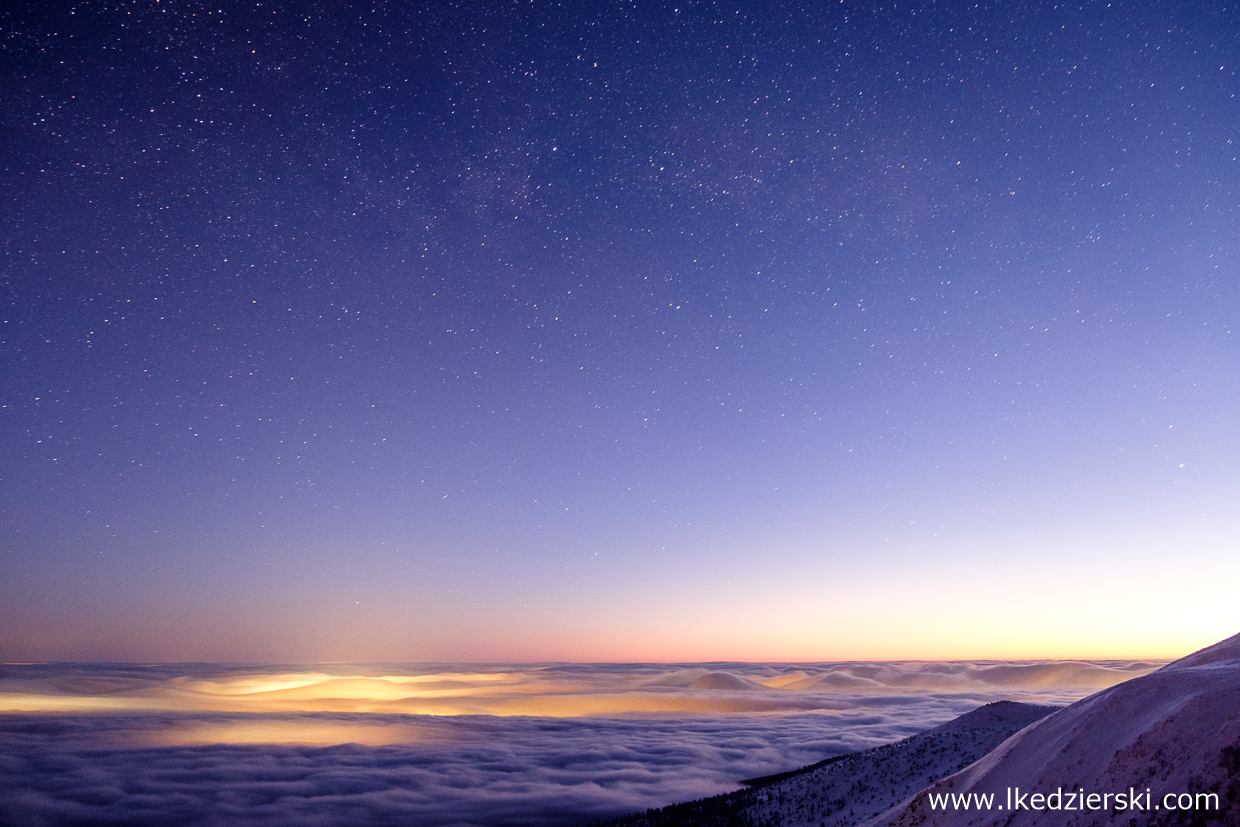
(1173,731)
(851,788)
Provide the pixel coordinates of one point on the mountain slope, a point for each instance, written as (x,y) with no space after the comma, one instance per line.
(1176,730)
(851,788)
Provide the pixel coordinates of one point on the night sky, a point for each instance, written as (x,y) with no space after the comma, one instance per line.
(618,331)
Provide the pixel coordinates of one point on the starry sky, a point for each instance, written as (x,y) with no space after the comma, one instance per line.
(618,331)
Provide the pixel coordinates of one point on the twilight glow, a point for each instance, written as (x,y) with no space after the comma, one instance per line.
(549,690)
(610,332)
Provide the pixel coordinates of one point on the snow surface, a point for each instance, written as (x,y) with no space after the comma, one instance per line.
(1172,731)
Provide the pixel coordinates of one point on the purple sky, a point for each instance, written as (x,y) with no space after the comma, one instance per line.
(622,331)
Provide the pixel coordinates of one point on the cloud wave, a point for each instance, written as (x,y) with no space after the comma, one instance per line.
(550,690)
(213,745)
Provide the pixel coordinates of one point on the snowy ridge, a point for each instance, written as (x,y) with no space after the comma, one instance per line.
(1176,730)
(846,790)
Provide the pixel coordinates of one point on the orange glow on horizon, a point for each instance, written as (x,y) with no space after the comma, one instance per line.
(300,733)
(565,692)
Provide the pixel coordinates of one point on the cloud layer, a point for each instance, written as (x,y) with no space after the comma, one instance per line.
(552,690)
(217,745)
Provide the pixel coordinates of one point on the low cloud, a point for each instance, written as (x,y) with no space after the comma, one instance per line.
(639,737)
(553,690)
(468,770)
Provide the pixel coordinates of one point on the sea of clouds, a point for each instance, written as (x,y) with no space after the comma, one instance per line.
(432,745)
